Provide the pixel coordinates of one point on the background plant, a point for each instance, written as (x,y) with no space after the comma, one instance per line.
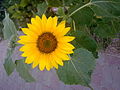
(94,23)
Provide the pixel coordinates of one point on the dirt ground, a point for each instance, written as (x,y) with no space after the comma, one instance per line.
(106,76)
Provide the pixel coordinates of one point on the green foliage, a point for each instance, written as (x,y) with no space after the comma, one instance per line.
(69,2)
(107,28)
(85,41)
(41,8)
(1,12)
(54,3)
(23,10)
(10,33)
(24,3)
(83,16)
(106,8)
(9,27)
(9,65)
(8,3)
(78,70)
(23,70)
(60,11)
(1,27)
(104,31)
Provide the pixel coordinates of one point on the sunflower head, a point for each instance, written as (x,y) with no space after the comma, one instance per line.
(45,43)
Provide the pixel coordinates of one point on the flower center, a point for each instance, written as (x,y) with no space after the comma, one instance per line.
(47,42)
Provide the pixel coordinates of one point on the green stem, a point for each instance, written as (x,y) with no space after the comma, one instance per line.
(46,2)
(88,4)
(63,3)
(90,87)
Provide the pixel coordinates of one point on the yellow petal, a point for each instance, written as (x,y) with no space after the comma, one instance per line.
(29,51)
(36,60)
(30,47)
(65,51)
(61,24)
(66,39)
(55,21)
(65,46)
(25,54)
(24,42)
(33,20)
(60,28)
(42,63)
(27,39)
(49,25)
(38,19)
(35,64)
(65,31)
(44,20)
(61,55)
(53,62)
(29,60)
(29,32)
(34,29)
(37,23)
(58,60)
(48,62)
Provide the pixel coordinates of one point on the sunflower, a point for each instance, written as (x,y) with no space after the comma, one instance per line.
(44,43)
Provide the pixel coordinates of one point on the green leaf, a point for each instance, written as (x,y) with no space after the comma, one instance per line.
(41,8)
(60,11)
(79,69)
(9,65)
(106,8)
(23,71)
(24,3)
(104,31)
(85,41)
(9,27)
(107,28)
(13,8)
(17,14)
(69,2)
(83,16)
(116,25)
(54,3)
(1,27)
